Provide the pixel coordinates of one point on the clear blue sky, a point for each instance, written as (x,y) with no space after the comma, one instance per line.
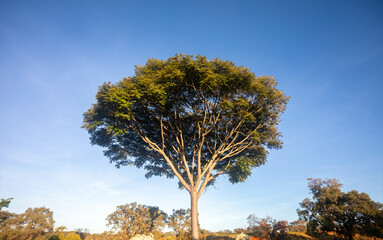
(326,55)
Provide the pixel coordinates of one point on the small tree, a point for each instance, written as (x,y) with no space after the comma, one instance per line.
(133,218)
(180,222)
(189,118)
(345,214)
(268,228)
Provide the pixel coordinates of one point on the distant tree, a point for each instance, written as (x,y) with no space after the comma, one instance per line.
(10,226)
(32,224)
(298,226)
(268,228)
(37,222)
(224,232)
(345,214)
(4,215)
(239,230)
(191,118)
(180,222)
(133,218)
(103,236)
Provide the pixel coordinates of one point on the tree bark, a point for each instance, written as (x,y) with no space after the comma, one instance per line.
(194,215)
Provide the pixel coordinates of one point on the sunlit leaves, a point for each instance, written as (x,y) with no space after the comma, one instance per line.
(131,219)
(175,111)
(33,223)
(180,222)
(345,214)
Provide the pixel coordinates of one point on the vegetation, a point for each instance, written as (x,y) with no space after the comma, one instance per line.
(191,118)
(180,222)
(343,214)
(5,203)
(267,228)
(32,224)
(197,119)
(132,219)
(140,222)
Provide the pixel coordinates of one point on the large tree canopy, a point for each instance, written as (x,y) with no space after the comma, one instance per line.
(188,117)
(345,214)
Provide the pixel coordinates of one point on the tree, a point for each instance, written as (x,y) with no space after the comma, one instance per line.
(37,221)
(33,223)
(344,214)
(180,222)
(4,215)
(268,228)
(298,226)
(239,230)
(10,227)
(133,218)
(191,118)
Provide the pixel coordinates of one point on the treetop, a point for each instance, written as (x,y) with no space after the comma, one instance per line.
(187,116)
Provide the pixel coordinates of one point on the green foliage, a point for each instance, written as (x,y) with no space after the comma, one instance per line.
(180,222)
(5,202)
(344,214)
(133,218)
(188,117)
(191,107)
(32,224)
(54,237)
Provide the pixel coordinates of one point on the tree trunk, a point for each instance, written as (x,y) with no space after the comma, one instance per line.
(194,215)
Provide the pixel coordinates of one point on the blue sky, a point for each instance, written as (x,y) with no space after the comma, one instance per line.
(326,55)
